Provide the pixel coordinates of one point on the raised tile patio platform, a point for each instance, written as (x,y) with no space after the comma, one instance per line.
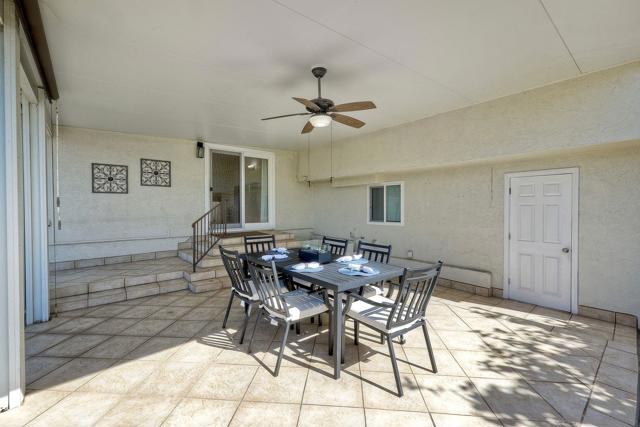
(92,282)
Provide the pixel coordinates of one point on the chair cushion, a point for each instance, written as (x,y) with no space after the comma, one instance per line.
(252,297)
(301,305)
(374,316)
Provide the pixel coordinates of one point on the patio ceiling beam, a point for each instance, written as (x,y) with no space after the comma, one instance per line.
(29,14)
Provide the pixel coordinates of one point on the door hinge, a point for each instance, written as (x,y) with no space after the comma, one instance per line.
(509,236)
(57,202)
(509,281)
(509,190)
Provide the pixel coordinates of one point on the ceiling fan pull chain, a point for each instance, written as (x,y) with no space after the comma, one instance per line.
(331,154)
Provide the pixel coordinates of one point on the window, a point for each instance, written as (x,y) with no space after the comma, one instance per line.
(386,203)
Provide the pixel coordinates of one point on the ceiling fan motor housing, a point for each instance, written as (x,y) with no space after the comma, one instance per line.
(323,103)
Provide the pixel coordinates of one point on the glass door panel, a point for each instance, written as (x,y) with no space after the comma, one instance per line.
(225,185)
(256,190)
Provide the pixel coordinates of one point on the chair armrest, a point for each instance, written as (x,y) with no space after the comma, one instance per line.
(369,301)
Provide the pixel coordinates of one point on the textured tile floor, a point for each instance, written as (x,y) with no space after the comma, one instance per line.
(166,360)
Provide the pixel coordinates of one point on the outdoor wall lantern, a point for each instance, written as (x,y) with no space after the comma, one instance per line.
(200,150)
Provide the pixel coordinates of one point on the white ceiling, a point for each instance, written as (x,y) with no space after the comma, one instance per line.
(211,69)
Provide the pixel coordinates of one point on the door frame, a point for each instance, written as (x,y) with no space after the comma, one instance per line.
(575,200)
(243,152)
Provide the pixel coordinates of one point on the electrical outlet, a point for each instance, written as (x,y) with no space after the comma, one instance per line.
(409,253)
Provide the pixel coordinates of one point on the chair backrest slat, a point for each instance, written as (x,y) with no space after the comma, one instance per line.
(234,266)
(259,243)
(265,280)
(336,245)
(374,252)
(415,292)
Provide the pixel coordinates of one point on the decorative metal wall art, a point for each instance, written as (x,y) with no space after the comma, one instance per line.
(109,178)
(155,173)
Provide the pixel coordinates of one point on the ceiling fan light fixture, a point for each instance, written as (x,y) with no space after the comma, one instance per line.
(320,120)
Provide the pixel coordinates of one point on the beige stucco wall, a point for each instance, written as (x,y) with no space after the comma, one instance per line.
(453,166)
(147,218)
(595,109)
(456,214)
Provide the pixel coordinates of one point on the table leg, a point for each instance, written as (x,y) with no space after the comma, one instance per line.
(337,334)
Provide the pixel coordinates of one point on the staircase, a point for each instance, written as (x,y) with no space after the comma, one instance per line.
(210,273)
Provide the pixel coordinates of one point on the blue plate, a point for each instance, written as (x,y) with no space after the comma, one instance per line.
(360,261)
(347,272)
(308,270)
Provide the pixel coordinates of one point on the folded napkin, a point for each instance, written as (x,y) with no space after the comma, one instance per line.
(362,268)
(267,257)
(366,269)
(305,266)
(348,258)
(281,250)
(280,256)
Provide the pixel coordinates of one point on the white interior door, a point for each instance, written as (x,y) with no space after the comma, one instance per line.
(540,236)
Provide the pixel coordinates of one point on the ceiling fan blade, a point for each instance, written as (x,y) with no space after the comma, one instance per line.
(347,120)
(307,128)
(354,106)
(310,105)
(286,115)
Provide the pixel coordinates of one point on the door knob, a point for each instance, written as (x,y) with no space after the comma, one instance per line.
(565,250)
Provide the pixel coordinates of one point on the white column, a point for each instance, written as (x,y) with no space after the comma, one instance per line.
(39,210)
(11,303)
(25,109)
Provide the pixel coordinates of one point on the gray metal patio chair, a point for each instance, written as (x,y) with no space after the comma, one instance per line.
(393,318)
(336,245)
(241,287)
(377,253)
(259,243)
(284,308)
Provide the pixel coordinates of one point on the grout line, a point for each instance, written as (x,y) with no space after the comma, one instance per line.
(470,379)
(105,319)
(257,312)
(595,378)
(560,35)
(382,55)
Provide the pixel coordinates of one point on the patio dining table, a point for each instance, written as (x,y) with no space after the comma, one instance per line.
(329,278)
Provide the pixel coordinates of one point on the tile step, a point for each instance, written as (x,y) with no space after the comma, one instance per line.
(237,241)
(204,274)
(93,299)
(205,285)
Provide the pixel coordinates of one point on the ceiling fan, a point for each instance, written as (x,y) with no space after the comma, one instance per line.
(323,110)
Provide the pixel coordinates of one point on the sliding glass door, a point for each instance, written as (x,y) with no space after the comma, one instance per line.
(225,185)
(243,182)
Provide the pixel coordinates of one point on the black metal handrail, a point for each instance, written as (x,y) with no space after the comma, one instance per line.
(207,231)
